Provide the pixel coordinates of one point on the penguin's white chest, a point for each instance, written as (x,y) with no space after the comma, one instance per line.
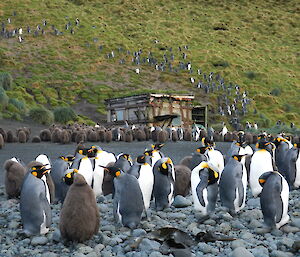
(285,200)
(86,170)
(46,188)
(216,159)
(146,180)
(98,176)
(261,162)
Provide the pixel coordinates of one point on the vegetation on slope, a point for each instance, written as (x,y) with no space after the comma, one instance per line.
(250,43)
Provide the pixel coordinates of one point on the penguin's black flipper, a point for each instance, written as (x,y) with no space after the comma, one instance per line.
(278,202)
(199,191)
(241,193)
(47,209)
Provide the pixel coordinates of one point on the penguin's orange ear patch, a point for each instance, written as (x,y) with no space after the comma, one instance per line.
(80,152)
(261,181)
(169,161)
(33,168)
(75,170)
(34,173)
(236,158)
(118,173)
(164,166)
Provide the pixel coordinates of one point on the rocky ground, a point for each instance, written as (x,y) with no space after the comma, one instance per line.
(247,228)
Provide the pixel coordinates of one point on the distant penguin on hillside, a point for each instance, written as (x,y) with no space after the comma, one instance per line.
(274,199)
(128,204)
(35,202)
(14,175)
(262,161)
(293,162)
(164,182)
(79,217)
(204,188)
(233,184)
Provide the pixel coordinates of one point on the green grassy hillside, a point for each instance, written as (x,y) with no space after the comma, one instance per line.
(254,44)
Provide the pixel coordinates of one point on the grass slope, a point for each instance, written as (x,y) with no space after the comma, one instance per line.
(256,40)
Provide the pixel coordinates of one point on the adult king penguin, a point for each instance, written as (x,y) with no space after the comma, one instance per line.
(274,199)
(204,188)
(35,202)
(164,181)
(128,205)
(233,184)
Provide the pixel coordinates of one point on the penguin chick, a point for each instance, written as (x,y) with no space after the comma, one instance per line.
(14,175)
(128,204)
(79,217)
(35,202)
(183,180)
(274,199)
(164,180)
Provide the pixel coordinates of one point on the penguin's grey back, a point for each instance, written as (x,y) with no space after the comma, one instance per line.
(34,204)
(128,200)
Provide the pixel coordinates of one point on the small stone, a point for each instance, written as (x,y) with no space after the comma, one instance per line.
(49,254)
(287,242)
(226,216)
(262,231)
(246,235)
(138,232)
(181,202)
(255,224)
(156,254)
(210,222)
(296,222)
(56,236)
(280,254)
(276,232)
(39,240)
(237,243)
(260,251)
(224,227)
(149,245)
(110,228)
(85,249)
(289,229)
(75,254)
(205,248)
(241,251)
(237,224)
(98,248)
(177,215)
(91,254)
(13,224)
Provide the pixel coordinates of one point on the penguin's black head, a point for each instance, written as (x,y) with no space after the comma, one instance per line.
(165,167)
(157,146)
(238,157)
(141,159)
(241,138)
(69,177)
(148,153)
(39,170)
(113,171)
(263,178)
(201,150)
(126,156)
(206,142)
(68,158)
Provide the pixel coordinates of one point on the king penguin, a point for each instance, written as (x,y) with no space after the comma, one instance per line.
(282,148)
(204,188)
(164,183)
(128,204)
(274,199)
(142,170)
(293,162)
(35,202)
(233,184)
(262,161)
(79,217)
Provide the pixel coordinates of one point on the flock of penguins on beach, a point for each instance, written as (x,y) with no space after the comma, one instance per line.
(271,170)
(232,101)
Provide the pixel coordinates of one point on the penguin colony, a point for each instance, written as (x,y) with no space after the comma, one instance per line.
(150,179)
